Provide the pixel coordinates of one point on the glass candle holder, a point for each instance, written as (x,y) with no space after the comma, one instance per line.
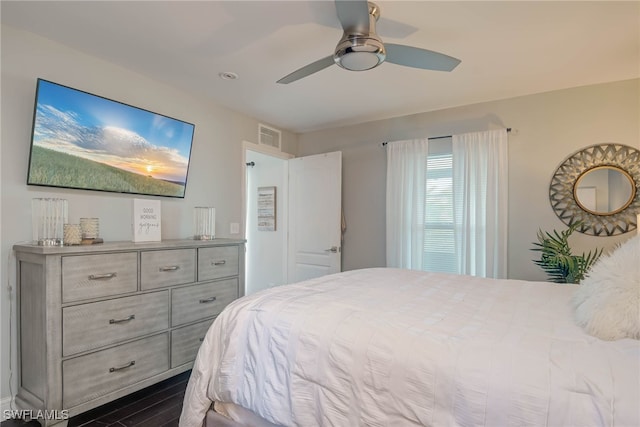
(72,234)
(48,218)
(204,223)
(90,228)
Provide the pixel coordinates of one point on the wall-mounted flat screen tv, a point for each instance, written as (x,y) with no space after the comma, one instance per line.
(84,141)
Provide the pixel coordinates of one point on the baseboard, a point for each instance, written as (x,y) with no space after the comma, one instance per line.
(5,405)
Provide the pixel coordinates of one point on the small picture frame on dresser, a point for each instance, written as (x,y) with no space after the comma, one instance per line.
(146,224)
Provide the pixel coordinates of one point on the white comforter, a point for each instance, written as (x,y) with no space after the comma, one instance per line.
(387,347)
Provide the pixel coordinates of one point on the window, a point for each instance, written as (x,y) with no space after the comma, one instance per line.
(447,204)
(439,240)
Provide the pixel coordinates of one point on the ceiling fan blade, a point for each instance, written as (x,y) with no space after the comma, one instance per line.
(394,29)
(353,15)
(419,58)
(314,67)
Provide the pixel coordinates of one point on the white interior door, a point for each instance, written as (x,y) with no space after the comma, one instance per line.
(315,203)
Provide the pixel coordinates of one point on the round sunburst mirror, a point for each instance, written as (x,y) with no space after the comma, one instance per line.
(598,187)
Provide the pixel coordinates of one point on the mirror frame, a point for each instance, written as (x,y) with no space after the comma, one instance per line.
(566,176)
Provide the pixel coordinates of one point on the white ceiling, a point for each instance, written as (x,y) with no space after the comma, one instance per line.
(507,48)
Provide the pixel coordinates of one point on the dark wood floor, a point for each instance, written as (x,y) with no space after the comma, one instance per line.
(156,406)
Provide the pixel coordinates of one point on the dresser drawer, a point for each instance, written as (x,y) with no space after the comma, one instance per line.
(93,276)
(89,326)
(167,268)
(197,302)
(186,341)
(97,374)
(217,262)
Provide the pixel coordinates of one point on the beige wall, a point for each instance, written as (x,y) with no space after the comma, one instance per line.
(214,175)
(547,128)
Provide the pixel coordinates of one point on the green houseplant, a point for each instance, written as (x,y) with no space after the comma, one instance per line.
(557,260)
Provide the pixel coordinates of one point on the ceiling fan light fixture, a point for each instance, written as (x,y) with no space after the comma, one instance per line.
(359,54)
(361,49)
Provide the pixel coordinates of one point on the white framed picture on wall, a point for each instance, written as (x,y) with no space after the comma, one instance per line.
(267,208)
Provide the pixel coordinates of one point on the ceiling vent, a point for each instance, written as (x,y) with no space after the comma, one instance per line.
(269,136)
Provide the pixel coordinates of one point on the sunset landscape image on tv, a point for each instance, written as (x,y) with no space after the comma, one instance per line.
(89,142)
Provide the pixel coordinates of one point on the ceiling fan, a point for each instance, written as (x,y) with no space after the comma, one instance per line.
(361,49)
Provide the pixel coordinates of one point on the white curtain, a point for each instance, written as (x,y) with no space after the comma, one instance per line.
(480,166)
(406,185)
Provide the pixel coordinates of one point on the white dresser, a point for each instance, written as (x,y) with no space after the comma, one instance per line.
(98,322)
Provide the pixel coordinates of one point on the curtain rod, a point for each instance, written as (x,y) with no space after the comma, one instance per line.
(437,137)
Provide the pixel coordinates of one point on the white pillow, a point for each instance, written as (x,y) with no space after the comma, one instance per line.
(607,303)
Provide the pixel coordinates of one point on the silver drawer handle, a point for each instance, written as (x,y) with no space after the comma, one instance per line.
(113,321)
(120,368)
(170,268)
(105,276)
(223,262)
(204,301)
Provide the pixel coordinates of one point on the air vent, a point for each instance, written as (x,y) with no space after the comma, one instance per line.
(269,136)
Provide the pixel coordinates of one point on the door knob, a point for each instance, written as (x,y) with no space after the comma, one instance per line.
(333,249)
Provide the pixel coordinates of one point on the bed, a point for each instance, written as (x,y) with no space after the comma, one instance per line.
(392,347)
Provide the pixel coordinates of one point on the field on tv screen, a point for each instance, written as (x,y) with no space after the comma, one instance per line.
(53,168)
